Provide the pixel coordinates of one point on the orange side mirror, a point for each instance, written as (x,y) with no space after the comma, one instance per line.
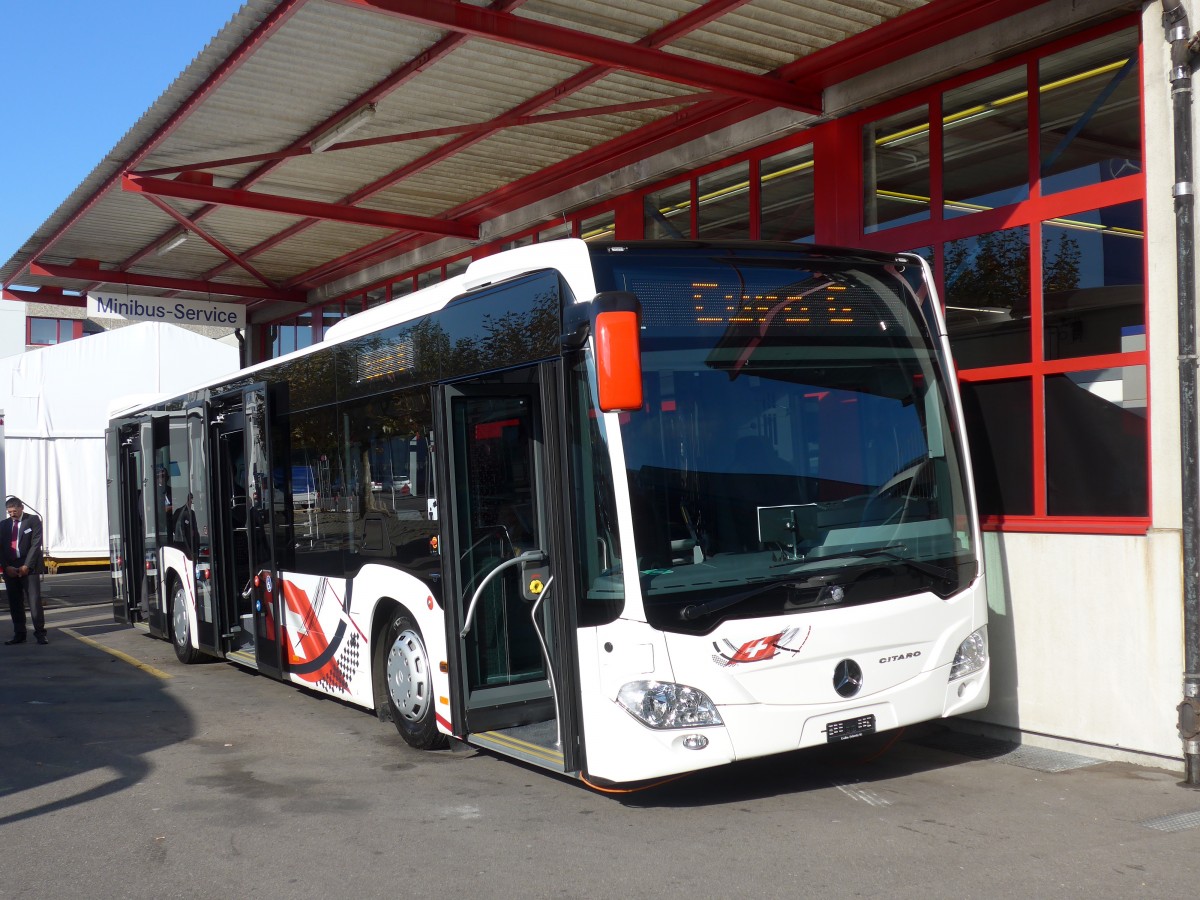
(618,360)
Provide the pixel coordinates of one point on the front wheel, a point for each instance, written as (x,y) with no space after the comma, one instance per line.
(410,685)
(180,632)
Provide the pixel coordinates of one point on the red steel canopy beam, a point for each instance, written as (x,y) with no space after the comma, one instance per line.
(112,276)
(697,18)
(221,248)
(376,92)
(700,119)
(491,125)
(294,206)
(597,50)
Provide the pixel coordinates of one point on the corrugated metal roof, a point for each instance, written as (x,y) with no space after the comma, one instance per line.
(281,70)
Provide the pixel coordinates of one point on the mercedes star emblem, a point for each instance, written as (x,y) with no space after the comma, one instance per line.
(847,678)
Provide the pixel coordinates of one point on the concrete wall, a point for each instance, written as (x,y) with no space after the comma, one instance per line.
(1086,641)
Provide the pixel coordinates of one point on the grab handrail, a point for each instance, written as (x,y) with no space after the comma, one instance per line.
(527,556)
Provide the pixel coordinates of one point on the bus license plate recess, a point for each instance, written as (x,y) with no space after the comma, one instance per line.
(848,729)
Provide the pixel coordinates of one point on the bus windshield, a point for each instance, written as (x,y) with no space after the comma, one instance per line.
(795,450)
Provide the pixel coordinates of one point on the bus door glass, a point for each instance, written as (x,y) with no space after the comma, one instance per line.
(148,517)
(163,470)
(231,556)
(241,510)
(193,529)
(116,557)
(129,559)
(266,592)
(497,563)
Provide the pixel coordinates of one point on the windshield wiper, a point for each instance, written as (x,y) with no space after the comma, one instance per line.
(696,610)
(891,551)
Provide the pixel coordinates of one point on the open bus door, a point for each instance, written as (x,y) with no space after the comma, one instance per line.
(507,622)
(158,506)
(197,533)
(126,531)
(242,510)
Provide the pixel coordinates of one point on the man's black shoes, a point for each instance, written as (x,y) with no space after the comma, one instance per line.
(20,639)
(41,639)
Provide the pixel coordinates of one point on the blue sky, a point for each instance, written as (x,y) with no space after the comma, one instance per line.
(75,76)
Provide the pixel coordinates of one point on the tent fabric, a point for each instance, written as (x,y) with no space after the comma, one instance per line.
(55,403)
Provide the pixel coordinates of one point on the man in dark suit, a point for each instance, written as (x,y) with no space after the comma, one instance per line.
(21,557)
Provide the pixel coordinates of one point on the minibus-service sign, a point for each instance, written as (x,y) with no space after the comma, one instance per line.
(135,308)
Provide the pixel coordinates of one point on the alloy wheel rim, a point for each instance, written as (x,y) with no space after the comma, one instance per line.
(408,675)
(179,619)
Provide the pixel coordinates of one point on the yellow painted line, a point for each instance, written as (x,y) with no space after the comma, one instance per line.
(502,740)
(124,657)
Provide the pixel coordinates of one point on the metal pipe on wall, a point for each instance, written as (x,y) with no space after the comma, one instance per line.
(1178,35)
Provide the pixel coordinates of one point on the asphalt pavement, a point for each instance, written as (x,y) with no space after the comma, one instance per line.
(126,774)
(76,588)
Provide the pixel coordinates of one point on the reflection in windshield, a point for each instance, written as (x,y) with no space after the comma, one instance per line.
(794,424)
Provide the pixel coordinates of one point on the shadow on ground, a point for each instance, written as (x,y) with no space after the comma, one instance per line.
(77,724)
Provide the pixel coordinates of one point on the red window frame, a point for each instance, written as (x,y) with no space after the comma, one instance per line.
(1033,212)
(76,328)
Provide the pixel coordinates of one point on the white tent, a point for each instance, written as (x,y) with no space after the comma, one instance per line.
(56,401)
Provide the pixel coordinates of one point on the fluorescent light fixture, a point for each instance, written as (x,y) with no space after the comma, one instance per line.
(173,242)
(338,132)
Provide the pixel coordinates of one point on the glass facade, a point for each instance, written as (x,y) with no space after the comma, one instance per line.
(1092,289)
(985,136)
(987,297)
(723,204)
(896,171)
(1089,125)
(294,334)
(669,212)
(602,227)
(1039,237)
(786,191)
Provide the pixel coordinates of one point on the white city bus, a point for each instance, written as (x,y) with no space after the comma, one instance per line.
(617,510)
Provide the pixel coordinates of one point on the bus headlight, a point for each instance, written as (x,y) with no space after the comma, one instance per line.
(971,655)
(664,704)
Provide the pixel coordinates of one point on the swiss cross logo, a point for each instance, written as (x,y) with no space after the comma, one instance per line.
(759,649)
(763,648)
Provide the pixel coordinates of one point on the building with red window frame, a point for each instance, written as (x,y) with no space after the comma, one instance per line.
(324,156)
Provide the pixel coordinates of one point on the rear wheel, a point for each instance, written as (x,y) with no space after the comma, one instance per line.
(410,684)
(180,631)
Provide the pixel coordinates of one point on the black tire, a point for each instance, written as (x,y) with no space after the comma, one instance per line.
(180,632)
(407,676)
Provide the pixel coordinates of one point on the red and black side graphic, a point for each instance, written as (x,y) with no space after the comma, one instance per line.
(328,662)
